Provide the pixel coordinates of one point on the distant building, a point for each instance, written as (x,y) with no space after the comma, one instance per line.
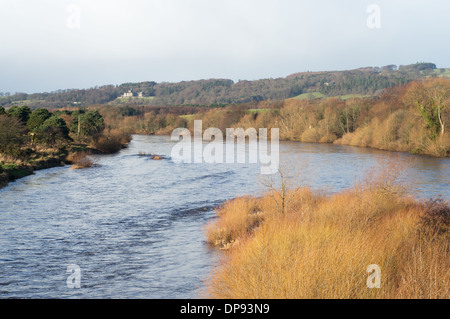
(130,93)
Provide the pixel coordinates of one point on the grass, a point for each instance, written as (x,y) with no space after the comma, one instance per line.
(322,245)
(318,95)
(188,117)
(237,218)
(310,96)
(79,160)
(444,73)
(15,171)
(7,167)
(26,102)
(351,96)
(35,159)
(122,100)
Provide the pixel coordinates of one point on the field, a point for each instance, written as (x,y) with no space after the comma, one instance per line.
(309,96)
(125,100)
(318,95)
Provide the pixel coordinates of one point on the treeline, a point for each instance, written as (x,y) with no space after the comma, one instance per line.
(218,92)
(19,127)
(410,118)
(24,132)
(32,140)
(364,84)
(163,119)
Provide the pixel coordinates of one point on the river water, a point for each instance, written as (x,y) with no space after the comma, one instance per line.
(135,226)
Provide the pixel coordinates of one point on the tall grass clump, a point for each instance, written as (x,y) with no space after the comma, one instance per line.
(237,219)
(79,160)
(321,246)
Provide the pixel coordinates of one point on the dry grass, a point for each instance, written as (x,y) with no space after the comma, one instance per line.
(237,218)
(79,160)
(322,246)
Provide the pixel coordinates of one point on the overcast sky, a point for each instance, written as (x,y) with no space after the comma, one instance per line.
(56,44)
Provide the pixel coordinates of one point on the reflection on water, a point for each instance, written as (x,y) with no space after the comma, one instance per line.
(135,225)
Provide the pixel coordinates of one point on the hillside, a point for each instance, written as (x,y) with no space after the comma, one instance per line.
(368,81)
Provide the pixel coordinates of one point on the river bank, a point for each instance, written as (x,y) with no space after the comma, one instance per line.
(308,244)
(434,148)
(136,225)
(12,169)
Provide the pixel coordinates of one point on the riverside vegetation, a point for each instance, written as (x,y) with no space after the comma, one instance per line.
(408,118)
(320,245)
(295,243)
(32,140)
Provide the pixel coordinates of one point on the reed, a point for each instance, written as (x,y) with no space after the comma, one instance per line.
(321,247)
(79,160)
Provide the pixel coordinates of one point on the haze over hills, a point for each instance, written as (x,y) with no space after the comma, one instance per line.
(366,81)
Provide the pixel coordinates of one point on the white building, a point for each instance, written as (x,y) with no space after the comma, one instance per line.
(128,94)
(131,94)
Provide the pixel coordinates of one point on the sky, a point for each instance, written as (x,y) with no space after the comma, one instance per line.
(46,45)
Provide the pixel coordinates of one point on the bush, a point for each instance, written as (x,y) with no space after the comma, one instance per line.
(111,142)
(237,219)
(435,220)
(329,138)
(20,112)
(310,136)
(11,135)
(79,160)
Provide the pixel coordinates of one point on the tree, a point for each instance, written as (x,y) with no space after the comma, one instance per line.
(129,111)
(54,128)
(2,110)
(431,97)
(348,116)
(11,134)
(280,184)
(20,112)
(91,123)
(37,118)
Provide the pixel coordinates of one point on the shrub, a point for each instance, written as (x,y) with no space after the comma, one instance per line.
(11,135)
(79,160)
(329,138)
(237,218)
(435,220)
(111,142)
(310,135)
(20,112)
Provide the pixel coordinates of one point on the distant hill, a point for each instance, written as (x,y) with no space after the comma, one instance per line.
(367,81)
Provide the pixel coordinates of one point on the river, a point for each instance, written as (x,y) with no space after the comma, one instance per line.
(135,226)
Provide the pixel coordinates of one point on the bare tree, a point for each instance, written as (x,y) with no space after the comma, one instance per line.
(280,184)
